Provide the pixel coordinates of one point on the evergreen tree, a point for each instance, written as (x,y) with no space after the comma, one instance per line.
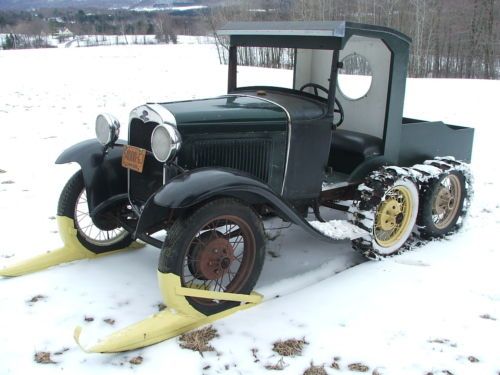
(9,42)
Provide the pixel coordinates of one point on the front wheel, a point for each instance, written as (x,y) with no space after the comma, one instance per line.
(108,236)
(219,247)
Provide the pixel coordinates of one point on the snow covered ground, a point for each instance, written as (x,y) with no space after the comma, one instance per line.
(433,310)
(110,40)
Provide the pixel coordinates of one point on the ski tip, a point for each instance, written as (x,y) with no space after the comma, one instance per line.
(76,335)
(14,270)
(4,272)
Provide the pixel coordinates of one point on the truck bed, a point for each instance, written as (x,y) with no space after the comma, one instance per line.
(422,140)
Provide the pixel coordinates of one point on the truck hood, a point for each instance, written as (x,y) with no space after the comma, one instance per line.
(231,113)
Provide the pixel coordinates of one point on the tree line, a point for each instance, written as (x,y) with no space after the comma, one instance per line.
(451,38)
(32,29)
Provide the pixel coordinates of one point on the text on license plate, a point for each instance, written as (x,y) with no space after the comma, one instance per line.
(133,158)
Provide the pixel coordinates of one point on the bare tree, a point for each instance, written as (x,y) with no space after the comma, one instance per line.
(165,28)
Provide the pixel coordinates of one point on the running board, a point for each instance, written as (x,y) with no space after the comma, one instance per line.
(179,317)
(338,229)
(71,250)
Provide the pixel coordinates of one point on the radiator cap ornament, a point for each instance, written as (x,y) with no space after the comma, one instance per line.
(144,117)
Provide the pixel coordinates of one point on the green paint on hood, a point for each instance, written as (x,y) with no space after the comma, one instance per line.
(228,114)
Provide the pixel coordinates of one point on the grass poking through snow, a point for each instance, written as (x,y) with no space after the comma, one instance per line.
(43,357)
(136,360)
(358,367)
(290,347)
(199,340)
(315,370)
(278,366)
(109,321)
(36,298)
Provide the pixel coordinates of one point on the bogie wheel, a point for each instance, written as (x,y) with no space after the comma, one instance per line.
(98,239)
(387,209)
(442,204)
(219,247)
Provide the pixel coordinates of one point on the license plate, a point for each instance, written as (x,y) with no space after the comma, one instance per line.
(133,158)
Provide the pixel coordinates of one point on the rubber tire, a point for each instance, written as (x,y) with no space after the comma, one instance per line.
(427,228)
(181,233)
(362,212)
(66,207)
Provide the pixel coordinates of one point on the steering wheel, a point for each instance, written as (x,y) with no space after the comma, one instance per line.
(338,108)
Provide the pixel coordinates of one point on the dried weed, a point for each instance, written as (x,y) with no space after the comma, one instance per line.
(199,340)
(136,360)
(161,306)
(290,347)
(278,366)
(36,298)
(358,367)
(487,316)
(61,352)
(43,357)
(254,353)
(444,342)
(315,370)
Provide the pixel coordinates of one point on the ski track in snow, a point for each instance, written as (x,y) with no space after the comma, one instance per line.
(427,310)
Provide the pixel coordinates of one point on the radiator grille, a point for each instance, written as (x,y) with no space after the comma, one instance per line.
(143,185)
(248,155)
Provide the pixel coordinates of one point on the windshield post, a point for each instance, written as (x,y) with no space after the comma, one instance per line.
(333,83)
(232,67)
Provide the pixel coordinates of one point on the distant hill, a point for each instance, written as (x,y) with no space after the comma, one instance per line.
(132,4)
(170,4)
(29,4)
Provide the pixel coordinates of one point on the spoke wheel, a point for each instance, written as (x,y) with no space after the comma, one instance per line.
(387,210)
(446,202)
(442,205)
(393,216)
(89,231)
(219,247)
(220,256)
(107,236)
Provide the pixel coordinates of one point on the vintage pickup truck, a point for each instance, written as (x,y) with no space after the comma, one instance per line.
(207,171)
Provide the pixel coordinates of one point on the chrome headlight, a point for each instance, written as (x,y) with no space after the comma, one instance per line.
(107,129)
(165,142)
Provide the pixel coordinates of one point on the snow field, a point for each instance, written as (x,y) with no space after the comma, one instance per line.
(412,314)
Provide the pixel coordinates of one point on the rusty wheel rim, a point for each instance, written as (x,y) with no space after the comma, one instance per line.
(220,257)
(446,202)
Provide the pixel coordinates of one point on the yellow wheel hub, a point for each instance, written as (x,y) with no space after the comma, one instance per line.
(389,213)
(393,216)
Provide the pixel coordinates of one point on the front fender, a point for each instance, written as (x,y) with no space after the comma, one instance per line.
(201,185)
(103,175)
(193,187)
